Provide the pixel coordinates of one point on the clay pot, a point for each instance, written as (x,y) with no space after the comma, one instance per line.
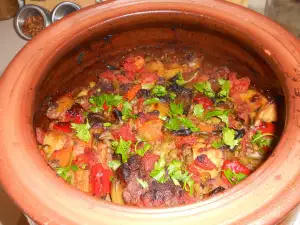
(72,48)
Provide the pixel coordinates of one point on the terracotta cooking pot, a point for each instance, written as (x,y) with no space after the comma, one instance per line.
(72,51)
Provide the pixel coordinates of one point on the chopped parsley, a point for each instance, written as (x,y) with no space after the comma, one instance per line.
(177,121)
(114,164)
(107,124)
(143,183)
(217,144)
(64,172)
(229,137)
(82,131)
(198,110)
(143,150)
(159,171)
(159,91)
(127,111)
(205,88)
(172,95)
(222,114)
(109,99)
(122,147)
(177,176)
(260,139)
(234,178)
(225,88)
(176,109)
(151,101)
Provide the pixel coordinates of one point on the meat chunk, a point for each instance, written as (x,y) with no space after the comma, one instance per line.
(155,194)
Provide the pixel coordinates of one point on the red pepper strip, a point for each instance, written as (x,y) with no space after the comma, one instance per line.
(204,101)
(63,126)
(204,162)
(86,158)
(100,179)
(132,92)
(236,167)
(265,127)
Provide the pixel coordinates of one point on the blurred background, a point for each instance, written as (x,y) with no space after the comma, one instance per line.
(19,23)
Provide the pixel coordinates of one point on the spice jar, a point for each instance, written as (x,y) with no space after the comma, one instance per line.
(8,9)
(31,20)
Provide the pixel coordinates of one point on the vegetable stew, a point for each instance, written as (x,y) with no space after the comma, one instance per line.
(159,132)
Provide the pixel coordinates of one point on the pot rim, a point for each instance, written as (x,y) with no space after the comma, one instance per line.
(41,210)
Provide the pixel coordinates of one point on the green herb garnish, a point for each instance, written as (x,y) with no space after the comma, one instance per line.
(114,164)
(82,131)
(122,147)
(151,101)
(205,88)
(159,172)
(222,114)
(198,110)
(228,137)
(234,178)
(143,150)
(143,183)
(159,91)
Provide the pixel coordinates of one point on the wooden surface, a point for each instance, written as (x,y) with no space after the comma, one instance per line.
(50,4)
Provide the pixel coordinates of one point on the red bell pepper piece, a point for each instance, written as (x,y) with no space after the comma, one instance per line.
(63,126)
(265,127)
(235,166)
(100,179)
(204,101)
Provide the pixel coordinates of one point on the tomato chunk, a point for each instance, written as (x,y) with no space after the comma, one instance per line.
(125,132)
(204,101)
(100,180)
(265,127)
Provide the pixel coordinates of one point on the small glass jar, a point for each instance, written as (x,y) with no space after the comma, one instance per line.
(286,13)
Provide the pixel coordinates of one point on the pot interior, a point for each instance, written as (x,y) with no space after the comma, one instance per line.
(105,44)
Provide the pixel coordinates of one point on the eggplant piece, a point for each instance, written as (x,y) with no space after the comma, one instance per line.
(143,93)
(154,112)
(216,191)
(183,132)
(117,114)
(96,118)
(186,98)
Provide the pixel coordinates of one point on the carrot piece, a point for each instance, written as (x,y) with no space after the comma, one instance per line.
(132,92)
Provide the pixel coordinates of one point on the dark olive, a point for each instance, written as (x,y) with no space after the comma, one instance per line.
(143,93)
